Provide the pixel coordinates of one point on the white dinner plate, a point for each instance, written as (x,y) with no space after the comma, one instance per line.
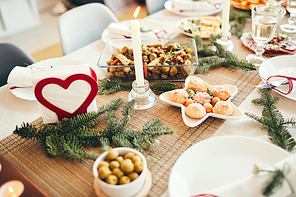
(185,33)
(146,24)
(193,122)
(219,161)
(168,6)
(280,65)
(27,93)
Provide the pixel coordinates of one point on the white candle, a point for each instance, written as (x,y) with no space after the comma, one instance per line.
(225,19)
(12,189)
(137,49)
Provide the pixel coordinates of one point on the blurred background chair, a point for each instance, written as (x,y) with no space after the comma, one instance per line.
(83,25)
(154,5)
(12,55)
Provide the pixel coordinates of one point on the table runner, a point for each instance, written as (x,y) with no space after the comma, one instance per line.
(62,177)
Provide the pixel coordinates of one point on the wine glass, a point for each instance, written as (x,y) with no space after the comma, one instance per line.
(290,27)
(265,20)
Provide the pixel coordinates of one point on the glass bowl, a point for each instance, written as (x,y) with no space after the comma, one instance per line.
(172,70)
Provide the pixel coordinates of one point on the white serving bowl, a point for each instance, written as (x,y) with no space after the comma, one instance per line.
(126,190)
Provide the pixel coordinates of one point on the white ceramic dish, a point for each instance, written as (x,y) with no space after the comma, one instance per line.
(280,65)
(185,33)
(193,122)
(27,93)
(126,190)
(146,24)
(168,6)
(219,161)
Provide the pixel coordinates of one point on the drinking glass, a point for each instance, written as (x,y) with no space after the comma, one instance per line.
(265,20)
(290,27)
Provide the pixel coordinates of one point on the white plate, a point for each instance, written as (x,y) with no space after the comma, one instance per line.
(219,161)
(168,6)
(27,93)
(147,24)
(185,33)
(280,65)
(193,122)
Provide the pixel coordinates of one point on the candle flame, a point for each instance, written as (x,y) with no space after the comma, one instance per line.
(136,12)
(10,189)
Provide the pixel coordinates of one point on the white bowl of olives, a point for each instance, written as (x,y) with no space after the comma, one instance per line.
(120,172)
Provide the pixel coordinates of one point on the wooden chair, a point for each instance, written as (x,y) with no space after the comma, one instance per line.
(12,55)
(82,25)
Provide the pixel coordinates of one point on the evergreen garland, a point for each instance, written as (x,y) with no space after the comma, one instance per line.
(110,86)
(215,55)
(239,22)
(70,136)
(273,121)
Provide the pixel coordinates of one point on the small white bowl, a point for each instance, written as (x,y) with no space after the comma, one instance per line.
(126,190)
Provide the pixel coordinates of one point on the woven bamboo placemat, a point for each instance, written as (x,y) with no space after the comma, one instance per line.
(61,177)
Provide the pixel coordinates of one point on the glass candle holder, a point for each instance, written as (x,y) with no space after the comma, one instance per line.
(143,94)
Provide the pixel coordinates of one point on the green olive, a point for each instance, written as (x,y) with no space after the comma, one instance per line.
(119,159)
(112,179)
(139,165)
(133,175)
(129,155)
(112,154)
(136,158)
(127,165)
(114,164)
(124,180)
(103,163)
(104,171)
(118,172)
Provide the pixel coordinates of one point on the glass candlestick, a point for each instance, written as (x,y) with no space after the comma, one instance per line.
(143,94)
(227,44)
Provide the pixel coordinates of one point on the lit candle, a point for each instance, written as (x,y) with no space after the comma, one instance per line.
(225,19)
(12,189)
(137,48)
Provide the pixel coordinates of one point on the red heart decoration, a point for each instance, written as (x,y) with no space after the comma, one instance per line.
(65,84)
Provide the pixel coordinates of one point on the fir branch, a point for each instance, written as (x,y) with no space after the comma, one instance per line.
(160,87)
(70,136)
(273,121)
(240,21)
(110,106)
(215,56)
(275,181)
(110,86)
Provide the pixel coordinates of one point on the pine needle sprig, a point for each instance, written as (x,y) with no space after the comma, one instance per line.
(273,120)
(110,86)
(70,136)
(215,56)
(159,87)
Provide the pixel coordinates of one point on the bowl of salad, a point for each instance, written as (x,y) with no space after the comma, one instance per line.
(163,59)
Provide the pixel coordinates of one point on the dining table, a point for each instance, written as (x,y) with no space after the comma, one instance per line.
(58,176)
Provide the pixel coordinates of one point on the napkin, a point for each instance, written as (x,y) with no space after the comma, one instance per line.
(193,5)
(252,186)
(64,91)
(20,76)
(122,30)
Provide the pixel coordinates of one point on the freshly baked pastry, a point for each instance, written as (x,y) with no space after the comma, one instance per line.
(221,92)
(196,84)
(202,97)
(179,96)
(195,110)
(223,108)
